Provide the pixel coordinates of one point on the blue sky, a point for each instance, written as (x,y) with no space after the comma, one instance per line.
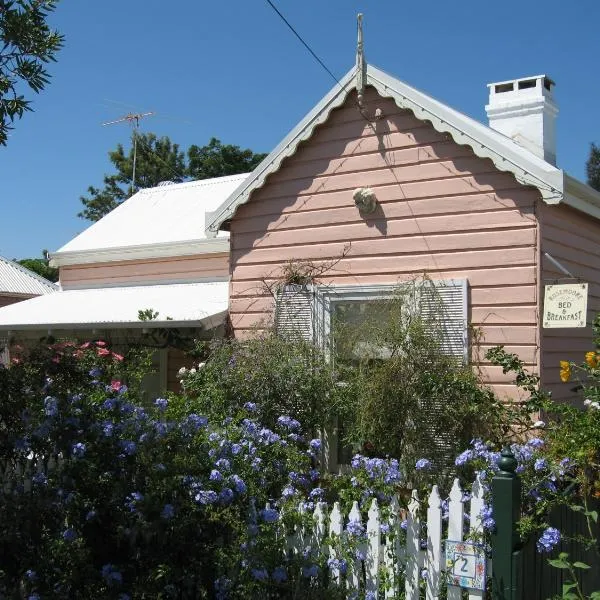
(231,69)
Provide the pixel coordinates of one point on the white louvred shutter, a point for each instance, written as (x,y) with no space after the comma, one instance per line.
(444,304)
(294,312)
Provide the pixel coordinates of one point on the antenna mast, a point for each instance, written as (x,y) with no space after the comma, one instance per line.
(134,120)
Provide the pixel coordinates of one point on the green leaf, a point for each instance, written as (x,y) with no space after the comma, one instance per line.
(558,563)
(593,514)
(569,585)
(580,565)
(595,595)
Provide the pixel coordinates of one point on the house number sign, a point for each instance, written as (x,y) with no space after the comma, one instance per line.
(465,565)
(565,305)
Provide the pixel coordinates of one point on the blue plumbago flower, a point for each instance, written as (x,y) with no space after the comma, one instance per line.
(310,571)
(250,426)
(535,442)
(236,449)
(423,544)
(239,484)
(91,515)
(423,464)
(355,528)
(256,462)
(279,575)
(111,575)
(357,461)
(39,479)
(50,406)
(161,403)
(33,597)
(314,474)
(549,539)
(404,525)
(486,518)
(269,515)
(315,445)
(31,575)
(22,444)
(337,563)
(463,458)
(95,372)
(227,420)
(133,500)
(214,437)
(127,408)
(69,535)
(226,495)
(109,403)
(370,595)
(260,574)
(195,422)
(128,447)
(317,493)
(223,464)
(540,464)
(205,497)
(268,437)
(564,465)
(78,449)
(250,406)
(215,475)
(107,428)
(288,492)
(288,422)
(384,528)
(168,511)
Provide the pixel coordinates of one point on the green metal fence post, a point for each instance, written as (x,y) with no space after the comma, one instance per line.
(506,501)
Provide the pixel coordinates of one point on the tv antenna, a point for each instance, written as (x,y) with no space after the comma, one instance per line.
(134,120)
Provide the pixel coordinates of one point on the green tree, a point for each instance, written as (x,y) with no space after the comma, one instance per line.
(27,45)
(217,159)
(593,167)
(41,266)
(158,159)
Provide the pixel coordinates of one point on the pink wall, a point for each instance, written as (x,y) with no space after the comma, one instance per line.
(131,272)
(442,210)
(574,240)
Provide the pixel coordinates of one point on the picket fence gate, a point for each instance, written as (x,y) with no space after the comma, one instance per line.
(405,563)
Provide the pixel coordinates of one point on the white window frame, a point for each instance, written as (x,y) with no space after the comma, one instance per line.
(327,296)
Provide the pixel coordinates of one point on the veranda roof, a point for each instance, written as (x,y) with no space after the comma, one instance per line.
(178,305)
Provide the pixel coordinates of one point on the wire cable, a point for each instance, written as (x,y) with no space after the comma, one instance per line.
(304,43)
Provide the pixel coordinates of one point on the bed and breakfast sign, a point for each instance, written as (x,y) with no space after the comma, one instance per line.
(565,305)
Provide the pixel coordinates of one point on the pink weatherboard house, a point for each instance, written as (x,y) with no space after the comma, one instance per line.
(385,183)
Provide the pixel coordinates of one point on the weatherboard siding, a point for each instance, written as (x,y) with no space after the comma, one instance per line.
(442,210)
(140,272)
(573,239)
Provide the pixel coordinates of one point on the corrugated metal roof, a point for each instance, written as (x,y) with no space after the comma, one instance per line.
(159,215)
(190,304)
(16,279)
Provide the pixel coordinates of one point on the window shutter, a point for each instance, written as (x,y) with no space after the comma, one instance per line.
(445,303)
(294,312)
(4,355)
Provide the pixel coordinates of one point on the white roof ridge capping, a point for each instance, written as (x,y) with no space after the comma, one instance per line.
(17,279)
(485,142)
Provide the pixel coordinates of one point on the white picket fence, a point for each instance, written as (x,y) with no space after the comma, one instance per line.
(395,557)
(22,472)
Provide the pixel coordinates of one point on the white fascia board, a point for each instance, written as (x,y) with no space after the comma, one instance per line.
(141,252)
(582,197)
(506,154)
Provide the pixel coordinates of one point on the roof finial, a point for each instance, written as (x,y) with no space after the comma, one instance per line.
(361,65)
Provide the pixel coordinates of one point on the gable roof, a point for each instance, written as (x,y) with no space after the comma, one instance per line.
(167,220)
(485,142)
(16,279)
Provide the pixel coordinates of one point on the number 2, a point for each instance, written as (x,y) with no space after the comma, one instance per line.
(465,562)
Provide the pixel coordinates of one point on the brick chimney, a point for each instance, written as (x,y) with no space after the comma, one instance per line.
(524,110)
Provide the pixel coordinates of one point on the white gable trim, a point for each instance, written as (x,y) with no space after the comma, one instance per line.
(485,142)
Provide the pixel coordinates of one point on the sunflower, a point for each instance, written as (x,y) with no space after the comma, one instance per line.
(565,371)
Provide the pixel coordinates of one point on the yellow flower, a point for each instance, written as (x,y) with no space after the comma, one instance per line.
(565,371)
(591,358)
